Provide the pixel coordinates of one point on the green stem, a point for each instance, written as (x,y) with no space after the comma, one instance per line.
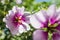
(49,36)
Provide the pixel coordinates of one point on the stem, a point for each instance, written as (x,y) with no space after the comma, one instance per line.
(49,36)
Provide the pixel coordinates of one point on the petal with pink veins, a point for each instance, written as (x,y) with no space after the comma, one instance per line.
(24,27)
(40,15)
(35,23)
(19,10)
(40,35)
(51,10)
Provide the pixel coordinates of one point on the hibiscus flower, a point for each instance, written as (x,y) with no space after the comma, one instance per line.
(17,21)
(46,19)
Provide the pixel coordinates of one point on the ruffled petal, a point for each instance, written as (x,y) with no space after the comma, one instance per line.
(24,27)
(45,14)
(58,16)
(40,15)
(19,10)
(13,29)
(51,11)
(40,35)
(14,9)
(58,19)
(21,29)
(9,24)
(26,18)
(35,22)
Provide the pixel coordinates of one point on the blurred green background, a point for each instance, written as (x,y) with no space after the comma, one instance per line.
(31,6)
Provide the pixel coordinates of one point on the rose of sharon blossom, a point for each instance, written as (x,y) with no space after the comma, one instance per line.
(17,21)
(50,20)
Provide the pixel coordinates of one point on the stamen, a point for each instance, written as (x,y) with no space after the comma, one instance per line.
(52,25)
(18,19)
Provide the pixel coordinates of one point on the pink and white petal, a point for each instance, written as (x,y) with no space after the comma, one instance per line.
(40,16)
(40,35)
(55,19)
(13,30)
(4,20)
(21,29)
(18,9)
(26,26)
(45,14)
(35,23)
(11,27)
(26,18)
(58,18)
(7,20)
(10,12)
(21,10)
(14,9)
(51,11)
(56,36)
(10,15)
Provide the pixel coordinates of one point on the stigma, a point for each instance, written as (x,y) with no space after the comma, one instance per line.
(18,19)
(52,25)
